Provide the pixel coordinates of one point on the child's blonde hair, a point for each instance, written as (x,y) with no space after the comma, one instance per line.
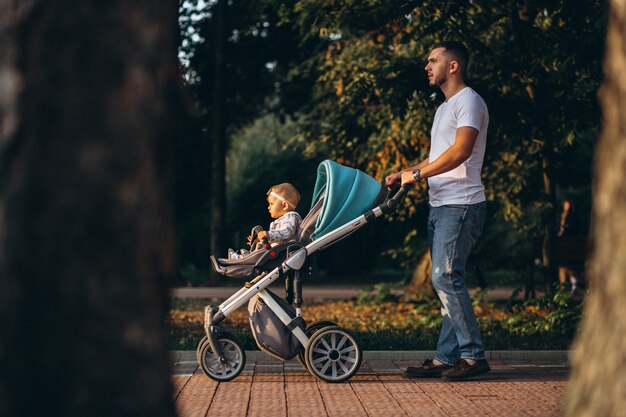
(288,192)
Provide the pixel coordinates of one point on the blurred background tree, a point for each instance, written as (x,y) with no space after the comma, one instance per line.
(347,81)
(597,385)
(255,57)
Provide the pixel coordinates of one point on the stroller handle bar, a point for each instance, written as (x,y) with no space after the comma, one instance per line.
(390,205)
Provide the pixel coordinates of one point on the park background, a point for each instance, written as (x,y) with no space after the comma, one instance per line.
(139,139)
(276,88)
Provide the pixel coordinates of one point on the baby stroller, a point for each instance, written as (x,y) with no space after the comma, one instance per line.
(344,200)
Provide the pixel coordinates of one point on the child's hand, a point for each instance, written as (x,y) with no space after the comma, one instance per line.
(263,235)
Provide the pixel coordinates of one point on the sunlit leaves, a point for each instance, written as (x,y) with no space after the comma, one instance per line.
(359,93)
(556,319)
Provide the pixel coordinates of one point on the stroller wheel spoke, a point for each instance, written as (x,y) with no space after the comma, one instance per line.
(229,365)
(333,340)
(334,367)
(347,358)
(318,350)
(320,360)
(325,368)
(326,345)
(343,367)
(231,354)
(341,342)
(348,349)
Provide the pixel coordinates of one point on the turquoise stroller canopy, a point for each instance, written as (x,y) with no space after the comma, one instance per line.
(348,194)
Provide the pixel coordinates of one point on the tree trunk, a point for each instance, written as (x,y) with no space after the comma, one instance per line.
(421,286)
(549,229)
(522,24)
(598,387)
(87,98)
(218,157)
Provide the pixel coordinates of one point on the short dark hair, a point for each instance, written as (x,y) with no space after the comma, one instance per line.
(457,51)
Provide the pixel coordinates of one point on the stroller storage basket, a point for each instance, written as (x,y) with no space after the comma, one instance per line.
(271,335)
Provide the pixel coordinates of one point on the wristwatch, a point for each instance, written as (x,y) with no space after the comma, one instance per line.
(417,176)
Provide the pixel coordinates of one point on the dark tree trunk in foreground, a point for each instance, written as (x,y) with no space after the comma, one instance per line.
(598,386)
(87,91)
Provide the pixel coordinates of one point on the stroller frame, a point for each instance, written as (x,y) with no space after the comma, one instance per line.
(222,359)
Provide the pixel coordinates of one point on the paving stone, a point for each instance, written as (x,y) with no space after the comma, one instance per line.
(383,366)
(273,388)
(196,397)
(340,400)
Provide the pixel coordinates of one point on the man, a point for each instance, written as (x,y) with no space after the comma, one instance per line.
(457,211)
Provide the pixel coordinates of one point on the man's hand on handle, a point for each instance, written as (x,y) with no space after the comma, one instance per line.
(393,181)
(407,178)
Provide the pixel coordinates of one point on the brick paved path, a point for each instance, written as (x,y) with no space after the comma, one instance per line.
(271,388)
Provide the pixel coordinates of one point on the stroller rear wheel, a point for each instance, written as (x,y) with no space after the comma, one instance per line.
(310,329)
(211,366)
(333,354)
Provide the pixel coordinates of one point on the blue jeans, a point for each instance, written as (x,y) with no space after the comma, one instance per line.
(452,231)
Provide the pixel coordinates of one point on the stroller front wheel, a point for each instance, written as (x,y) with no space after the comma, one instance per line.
(202,342)
(216,370)
(333,354)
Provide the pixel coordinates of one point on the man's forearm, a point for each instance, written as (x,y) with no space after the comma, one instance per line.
(418,166)
(454,155)
(449,160)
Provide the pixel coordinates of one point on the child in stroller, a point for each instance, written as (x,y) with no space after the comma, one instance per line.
(282,200)
(267,248)
(344,200)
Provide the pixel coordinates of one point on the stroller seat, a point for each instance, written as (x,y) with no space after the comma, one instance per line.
(254,263)
(264,260)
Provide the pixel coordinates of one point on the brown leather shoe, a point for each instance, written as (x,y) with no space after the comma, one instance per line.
(463,370)
(427,370)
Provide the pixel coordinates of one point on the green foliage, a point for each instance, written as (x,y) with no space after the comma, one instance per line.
(537,64)
(258,53)
(379,293)
(545,323)
(538,67)
(561,320)
(192,275)
(350,73)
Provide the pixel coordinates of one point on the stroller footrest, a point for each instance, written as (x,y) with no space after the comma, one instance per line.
(218,268)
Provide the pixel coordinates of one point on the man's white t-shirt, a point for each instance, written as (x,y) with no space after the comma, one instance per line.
(462,185)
